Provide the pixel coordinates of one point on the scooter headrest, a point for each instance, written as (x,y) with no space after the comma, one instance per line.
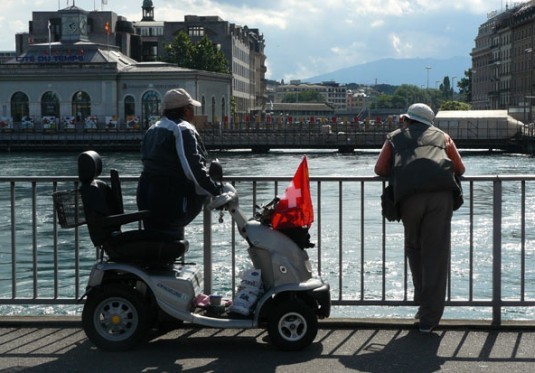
(89,166)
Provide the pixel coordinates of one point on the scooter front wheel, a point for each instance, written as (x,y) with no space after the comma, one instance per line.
(115,317)
(292,326)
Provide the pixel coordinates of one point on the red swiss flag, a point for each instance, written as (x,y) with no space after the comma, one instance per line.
(294,209)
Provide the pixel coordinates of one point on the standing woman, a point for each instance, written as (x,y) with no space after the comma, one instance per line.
(421,161)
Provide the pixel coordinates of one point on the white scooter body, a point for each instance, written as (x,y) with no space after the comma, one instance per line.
(285,268)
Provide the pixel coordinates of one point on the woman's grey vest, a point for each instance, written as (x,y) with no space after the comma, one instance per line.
(420,162)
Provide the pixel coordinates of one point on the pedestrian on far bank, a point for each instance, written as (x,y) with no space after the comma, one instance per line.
(421,161)
(174,182)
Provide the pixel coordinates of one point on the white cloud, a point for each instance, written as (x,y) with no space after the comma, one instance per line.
(305,38)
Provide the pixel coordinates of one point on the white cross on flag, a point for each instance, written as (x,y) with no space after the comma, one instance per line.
(294,208)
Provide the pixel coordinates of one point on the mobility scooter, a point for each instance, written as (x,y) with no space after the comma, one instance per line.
(141,275)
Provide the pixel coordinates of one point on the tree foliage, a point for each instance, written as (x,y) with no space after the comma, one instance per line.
(465,86)
(407,94)
(203,55)
(455,105)
(307,95)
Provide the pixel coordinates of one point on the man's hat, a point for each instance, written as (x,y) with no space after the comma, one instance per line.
(177,98)
(420,113)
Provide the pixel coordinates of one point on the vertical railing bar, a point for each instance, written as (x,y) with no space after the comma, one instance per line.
(207,250)
(77,245)
(362,240)
(405,276)
(448,289)
(55,233)
(471,246)
(34,240)
(496,253)
(340,241)
(254,197)
(13,243)
(523,242)
(383,250)
(318,209)
(233,241)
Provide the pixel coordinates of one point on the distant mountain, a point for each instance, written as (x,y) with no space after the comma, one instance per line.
(399,71)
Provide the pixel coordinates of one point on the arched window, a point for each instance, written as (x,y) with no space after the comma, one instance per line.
(20,106)
(50,104)
(214,118)
(150,107)
(129,107)
(81,105)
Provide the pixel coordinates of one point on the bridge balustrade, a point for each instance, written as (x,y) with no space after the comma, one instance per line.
(44,268)
(343,136)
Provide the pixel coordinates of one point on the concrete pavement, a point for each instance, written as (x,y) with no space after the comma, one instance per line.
(60,345)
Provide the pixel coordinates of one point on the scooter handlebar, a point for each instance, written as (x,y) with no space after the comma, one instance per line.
(229,194)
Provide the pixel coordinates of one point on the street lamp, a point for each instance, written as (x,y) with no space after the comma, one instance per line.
(453,86)
(428,68)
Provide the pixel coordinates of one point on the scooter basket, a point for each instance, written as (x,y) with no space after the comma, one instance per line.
(69,208)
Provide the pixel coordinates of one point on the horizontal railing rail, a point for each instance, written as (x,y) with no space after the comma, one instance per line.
(44,268)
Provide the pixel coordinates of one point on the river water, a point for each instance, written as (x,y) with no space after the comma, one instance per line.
(284,163)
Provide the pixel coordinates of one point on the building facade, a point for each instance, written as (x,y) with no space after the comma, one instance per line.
(243,48)
(333,93)
(503,62)
(75,82)
(144,41)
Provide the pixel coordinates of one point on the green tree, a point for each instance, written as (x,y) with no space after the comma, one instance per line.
(208,57)
(455,105)
(446,89)
(307,95)
(180,51)
(201,56)
(383,101)
(465,86)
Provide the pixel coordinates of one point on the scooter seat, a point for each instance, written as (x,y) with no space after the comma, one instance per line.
(144,247)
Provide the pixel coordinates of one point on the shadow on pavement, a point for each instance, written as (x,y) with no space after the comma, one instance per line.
(413,352)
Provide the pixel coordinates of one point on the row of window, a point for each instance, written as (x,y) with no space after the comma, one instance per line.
(81,106)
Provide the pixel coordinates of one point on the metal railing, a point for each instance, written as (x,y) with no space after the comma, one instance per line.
(360,254)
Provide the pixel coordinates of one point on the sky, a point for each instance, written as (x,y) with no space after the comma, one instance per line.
(305,38)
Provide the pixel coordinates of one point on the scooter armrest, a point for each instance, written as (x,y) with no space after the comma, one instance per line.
(122,219)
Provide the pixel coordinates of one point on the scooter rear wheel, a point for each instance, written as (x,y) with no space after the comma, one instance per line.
(292,326)
(115,317)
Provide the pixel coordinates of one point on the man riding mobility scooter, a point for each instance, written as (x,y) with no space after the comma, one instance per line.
(141,275)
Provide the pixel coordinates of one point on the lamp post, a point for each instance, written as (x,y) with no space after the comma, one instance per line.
(453,87)
(428,68)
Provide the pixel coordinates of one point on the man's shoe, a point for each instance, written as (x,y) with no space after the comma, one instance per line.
(426,328)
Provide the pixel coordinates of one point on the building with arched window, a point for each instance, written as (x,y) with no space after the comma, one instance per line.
(145,40)
(74,82)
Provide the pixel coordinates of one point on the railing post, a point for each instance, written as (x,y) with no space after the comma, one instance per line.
(207,249)
(497,253)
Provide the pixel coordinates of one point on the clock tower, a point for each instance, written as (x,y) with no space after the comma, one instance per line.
(73,24)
